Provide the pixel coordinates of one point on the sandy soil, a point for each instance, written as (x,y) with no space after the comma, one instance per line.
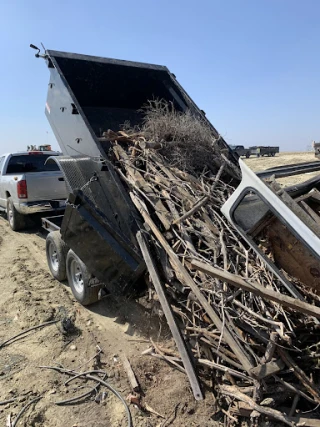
(30,297)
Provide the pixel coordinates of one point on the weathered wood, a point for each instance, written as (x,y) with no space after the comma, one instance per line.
(297,210)
(250,323)
(184,276)
(131,376)
(222,368)
(186,360)
(241,409)
(193,210)
(234,392)
(175,215)
(217,177)
(185,176)
(293,255)
(221,354)
(112,136)
(266,369)
(309,385)
(300,420)
(271,346)
(121,136)
(294,390)
(294,405)
(137,177)
(151,144)
(257,289)
(169,359)
(166,267)
(310,211)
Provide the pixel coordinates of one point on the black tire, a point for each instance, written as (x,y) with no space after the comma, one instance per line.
(79,279)
(16,220)
(247,155)
(56,255)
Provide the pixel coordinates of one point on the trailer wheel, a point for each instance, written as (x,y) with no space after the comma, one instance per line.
(79,278)
(16,220)
(56,255)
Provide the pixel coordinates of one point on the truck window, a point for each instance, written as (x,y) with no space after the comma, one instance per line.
(30,163)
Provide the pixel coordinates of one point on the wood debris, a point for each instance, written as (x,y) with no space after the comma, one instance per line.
(131,376)
(260,345)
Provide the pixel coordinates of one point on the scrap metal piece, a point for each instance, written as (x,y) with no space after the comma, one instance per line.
(262,197)
(186,359)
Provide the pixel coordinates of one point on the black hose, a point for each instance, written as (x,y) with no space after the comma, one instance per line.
(116,393)
(23,410)
(26,331)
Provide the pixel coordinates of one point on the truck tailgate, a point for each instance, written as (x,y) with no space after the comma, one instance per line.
(46,186)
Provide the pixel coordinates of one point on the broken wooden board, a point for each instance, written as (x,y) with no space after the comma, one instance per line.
(139,181)
(266,369)
(257,289)
(293,256)
(131,376)
(183,275)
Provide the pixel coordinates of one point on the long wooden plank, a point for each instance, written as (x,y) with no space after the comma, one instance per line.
(186,360)
(187,280)
(136,176)
(257,289)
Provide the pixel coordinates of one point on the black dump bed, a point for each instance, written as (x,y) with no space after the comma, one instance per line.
(87,96)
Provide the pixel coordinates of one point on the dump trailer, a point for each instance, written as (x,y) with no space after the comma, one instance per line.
(94,244)
(261,151)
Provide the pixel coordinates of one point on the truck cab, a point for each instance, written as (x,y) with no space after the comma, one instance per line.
(240,150)
(29,184)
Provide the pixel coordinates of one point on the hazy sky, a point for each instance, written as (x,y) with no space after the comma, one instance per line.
(252,65)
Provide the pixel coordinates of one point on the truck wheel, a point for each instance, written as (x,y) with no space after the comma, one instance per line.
(16,220)
(79,278)
(56,255)
(247,155)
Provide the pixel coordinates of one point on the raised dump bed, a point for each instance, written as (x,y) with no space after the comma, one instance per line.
(88,95)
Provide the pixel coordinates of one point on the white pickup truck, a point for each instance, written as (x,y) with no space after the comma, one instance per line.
(29,185)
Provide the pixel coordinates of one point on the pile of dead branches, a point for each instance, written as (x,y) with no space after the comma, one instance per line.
(183,140)
(259,345)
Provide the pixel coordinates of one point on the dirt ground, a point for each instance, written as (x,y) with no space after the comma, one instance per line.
(281,159)
(30,297)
